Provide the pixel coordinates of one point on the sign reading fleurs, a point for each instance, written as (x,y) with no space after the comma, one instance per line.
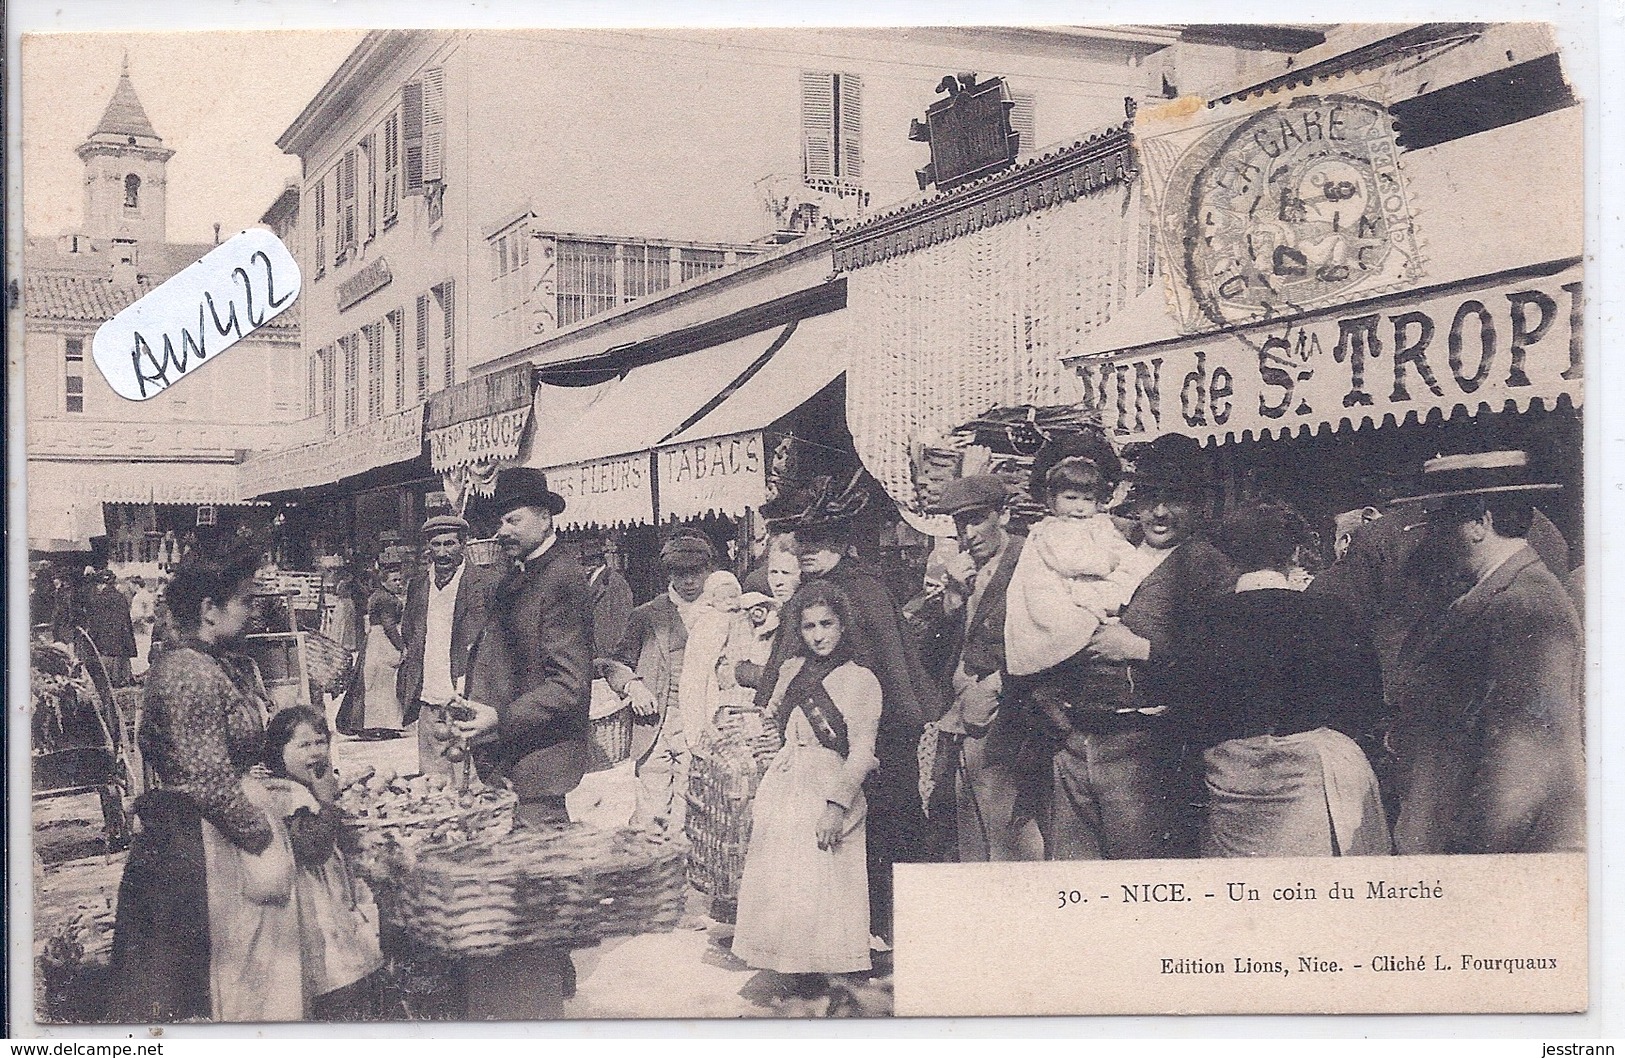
(1486,342)
(604,492)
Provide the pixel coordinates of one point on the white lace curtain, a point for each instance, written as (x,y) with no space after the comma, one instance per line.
(942,334)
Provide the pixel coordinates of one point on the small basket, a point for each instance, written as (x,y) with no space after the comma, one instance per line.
(611,728)
(483,552)
(568,887)
(328,664)
(380,847)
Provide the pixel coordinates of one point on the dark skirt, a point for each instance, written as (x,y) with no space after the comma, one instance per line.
(160,967)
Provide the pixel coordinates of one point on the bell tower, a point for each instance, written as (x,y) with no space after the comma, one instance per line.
(125,172)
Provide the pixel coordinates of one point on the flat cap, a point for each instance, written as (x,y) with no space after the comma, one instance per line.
(687,549)
(441,523)
(977,492)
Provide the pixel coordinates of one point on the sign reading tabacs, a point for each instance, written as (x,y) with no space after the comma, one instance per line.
(1487,342)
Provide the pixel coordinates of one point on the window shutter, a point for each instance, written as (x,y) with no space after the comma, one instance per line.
(318,223)
(412,135)
(370,145)
(397,324)
(1023,120)
(329,388)
(448,306)
(434,124)
(423,345)
(817,126)
(347,178)
(849,135)
(375,371)
(392,165)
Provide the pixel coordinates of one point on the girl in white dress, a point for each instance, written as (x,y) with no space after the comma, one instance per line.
(804,897)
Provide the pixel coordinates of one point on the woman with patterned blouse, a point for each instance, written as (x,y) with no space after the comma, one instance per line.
(202,728)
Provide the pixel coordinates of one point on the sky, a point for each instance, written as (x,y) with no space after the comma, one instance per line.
(219,100)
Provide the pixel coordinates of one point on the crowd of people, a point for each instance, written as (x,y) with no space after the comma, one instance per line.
(1113,681)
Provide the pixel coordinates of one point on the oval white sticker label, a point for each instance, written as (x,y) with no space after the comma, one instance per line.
(197,314)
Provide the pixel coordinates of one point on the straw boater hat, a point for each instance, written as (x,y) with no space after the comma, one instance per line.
(1446,478)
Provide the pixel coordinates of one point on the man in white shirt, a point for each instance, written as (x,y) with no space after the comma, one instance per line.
(645,669)
(445,607)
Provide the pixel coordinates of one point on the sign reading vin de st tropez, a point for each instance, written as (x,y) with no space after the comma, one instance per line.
(197,314)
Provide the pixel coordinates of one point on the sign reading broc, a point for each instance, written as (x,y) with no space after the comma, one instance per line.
(480,420)
(1512,337)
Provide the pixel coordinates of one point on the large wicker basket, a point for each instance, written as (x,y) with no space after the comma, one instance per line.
(722,780)
(380,848)
(568,887)
(483,552)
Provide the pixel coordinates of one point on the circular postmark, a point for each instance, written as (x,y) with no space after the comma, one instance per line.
(1301,205)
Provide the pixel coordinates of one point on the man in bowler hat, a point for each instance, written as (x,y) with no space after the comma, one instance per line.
(529,680)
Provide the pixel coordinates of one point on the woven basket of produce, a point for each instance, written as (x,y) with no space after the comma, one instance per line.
(566,887)
(387,819)
(722,780)
(611,720)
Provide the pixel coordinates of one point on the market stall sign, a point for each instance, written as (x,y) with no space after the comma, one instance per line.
(724,475)
(604,492)
(370,279)
(392,439)
(1478,344)
(481,420)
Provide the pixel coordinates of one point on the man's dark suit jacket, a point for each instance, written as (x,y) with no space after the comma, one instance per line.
(532,662)
(1492,725)
(468,615)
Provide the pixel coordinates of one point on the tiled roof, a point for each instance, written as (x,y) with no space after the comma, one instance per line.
(81,298)
(66,296)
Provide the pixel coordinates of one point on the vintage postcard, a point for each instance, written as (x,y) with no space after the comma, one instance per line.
(535,524)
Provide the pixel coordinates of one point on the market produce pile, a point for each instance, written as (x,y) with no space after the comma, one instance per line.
(74,903)
(388,817)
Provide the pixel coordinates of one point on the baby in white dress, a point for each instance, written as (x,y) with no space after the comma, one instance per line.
(1076,571)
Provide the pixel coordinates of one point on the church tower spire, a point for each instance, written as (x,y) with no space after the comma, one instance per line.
(125,170)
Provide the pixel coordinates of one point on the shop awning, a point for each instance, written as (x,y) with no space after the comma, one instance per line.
(718,465)
(392,439)
(65,497)
(600,462)
(1489,344)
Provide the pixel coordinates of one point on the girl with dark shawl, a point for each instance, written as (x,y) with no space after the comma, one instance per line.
(804,897)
